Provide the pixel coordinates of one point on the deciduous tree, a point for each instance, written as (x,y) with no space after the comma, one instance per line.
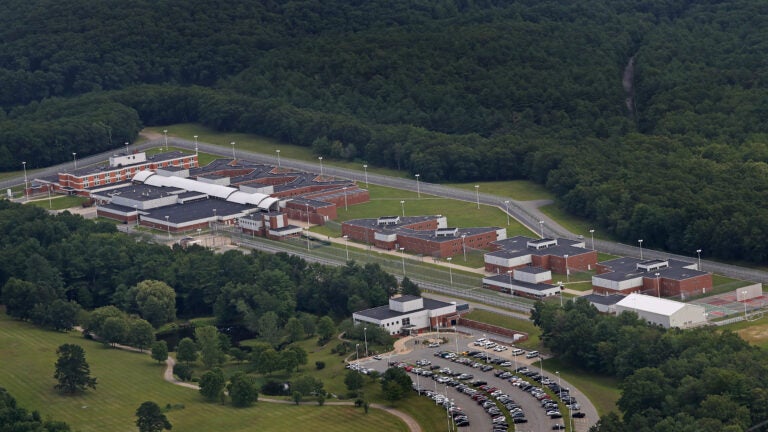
(150,418)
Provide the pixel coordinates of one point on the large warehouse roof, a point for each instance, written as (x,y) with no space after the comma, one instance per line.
(651,304)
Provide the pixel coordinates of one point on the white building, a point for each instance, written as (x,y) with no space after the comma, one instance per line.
(663,312)
(408,313)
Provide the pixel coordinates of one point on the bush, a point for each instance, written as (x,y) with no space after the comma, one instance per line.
(274,388)
(320,365)
(183,372)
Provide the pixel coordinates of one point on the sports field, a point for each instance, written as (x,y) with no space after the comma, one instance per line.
(125,380)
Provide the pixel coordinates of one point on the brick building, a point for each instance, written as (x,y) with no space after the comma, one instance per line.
(530,282)
(559,255)
(424,235)
(665,278)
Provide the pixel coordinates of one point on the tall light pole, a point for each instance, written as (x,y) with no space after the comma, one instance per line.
(506,203)
(698,252)
(592,233)
(320,158)
(450,272)
(658,287)
(641,248)
(477,195)
(26,193)
(168,226)
(744,299)
(365,336)
(402,251)
(357,352)
(560,283)
(136,207)
(541,226)
(365,168)
(307,204)
(418,188)
(165,133)
(346,208)
(233,151)
(196,151)
(567,271)
(74,157)
(402,205)
(126,148)
(464,246)
(306,234)
(346,248)
(278,157)
(509,272)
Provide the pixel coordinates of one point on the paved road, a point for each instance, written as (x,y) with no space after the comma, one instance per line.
(526,212)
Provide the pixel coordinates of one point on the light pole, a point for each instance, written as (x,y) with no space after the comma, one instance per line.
(456,338)
(357,352)
(541,226)
(165,133)
(464,246)
(278,157)
(402,205)
(509,272)
(26,194)
(365,168)
(658,288)
(306,234)
(365,337)
(744,293)
(450,272)
(477,195)
(126,148)
(560,283)
(641,248)
(136,207)
(698,252)
(592,233)
(418,189)
(402,251)
(567,271)
(233,151)
(74,157)
(168,226)
(506,203)
(307,204)
(346,248)
(320,158)
(346,208)
(196,145)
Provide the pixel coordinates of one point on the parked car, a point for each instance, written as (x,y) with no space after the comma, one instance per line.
(532,354)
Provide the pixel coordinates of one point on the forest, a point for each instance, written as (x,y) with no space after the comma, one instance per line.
(701,380)
(52,266)
(672,150)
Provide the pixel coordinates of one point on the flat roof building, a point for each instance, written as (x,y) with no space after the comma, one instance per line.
(408,314)
(663,312)
(662,278)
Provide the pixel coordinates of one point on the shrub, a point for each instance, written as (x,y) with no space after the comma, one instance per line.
(319,365)
(182,371)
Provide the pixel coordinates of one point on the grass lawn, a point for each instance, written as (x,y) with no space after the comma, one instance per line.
(125,380)
(59,202)
(754,332)
(510,323)
(521,190)
(602,391)
(574,224)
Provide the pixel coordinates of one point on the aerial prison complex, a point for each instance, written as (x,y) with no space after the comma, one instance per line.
(170,191)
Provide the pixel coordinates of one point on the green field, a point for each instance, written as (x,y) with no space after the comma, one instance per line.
(520,190)
(59,202)
(602,391)
(125,380)
(575,224)
(509,322)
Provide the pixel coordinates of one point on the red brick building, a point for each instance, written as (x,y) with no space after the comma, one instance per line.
(665,278)
(421,235)
(558,255)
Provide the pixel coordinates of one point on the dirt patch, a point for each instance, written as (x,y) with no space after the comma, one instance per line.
(755,334)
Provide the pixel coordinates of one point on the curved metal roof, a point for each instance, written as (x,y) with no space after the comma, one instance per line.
(142,176)
(213,190)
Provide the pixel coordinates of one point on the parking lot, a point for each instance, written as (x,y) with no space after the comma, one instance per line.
(416,350)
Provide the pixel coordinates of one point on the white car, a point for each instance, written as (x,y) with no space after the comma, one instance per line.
(377,357)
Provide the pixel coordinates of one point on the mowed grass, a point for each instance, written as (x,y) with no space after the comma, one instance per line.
(511,323)
(520,190)
(125,380)
(59,202)
(386,201)
(575,224)
(602,391)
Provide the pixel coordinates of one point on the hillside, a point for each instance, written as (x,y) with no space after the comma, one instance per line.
(455,90)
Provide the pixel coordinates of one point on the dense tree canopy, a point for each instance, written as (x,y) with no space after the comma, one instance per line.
(17,419)
(671,150)
(672,380)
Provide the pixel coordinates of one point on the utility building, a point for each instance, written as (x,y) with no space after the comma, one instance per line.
(663,312)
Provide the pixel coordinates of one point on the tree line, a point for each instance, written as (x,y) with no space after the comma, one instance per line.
(454,90)
(704,379)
